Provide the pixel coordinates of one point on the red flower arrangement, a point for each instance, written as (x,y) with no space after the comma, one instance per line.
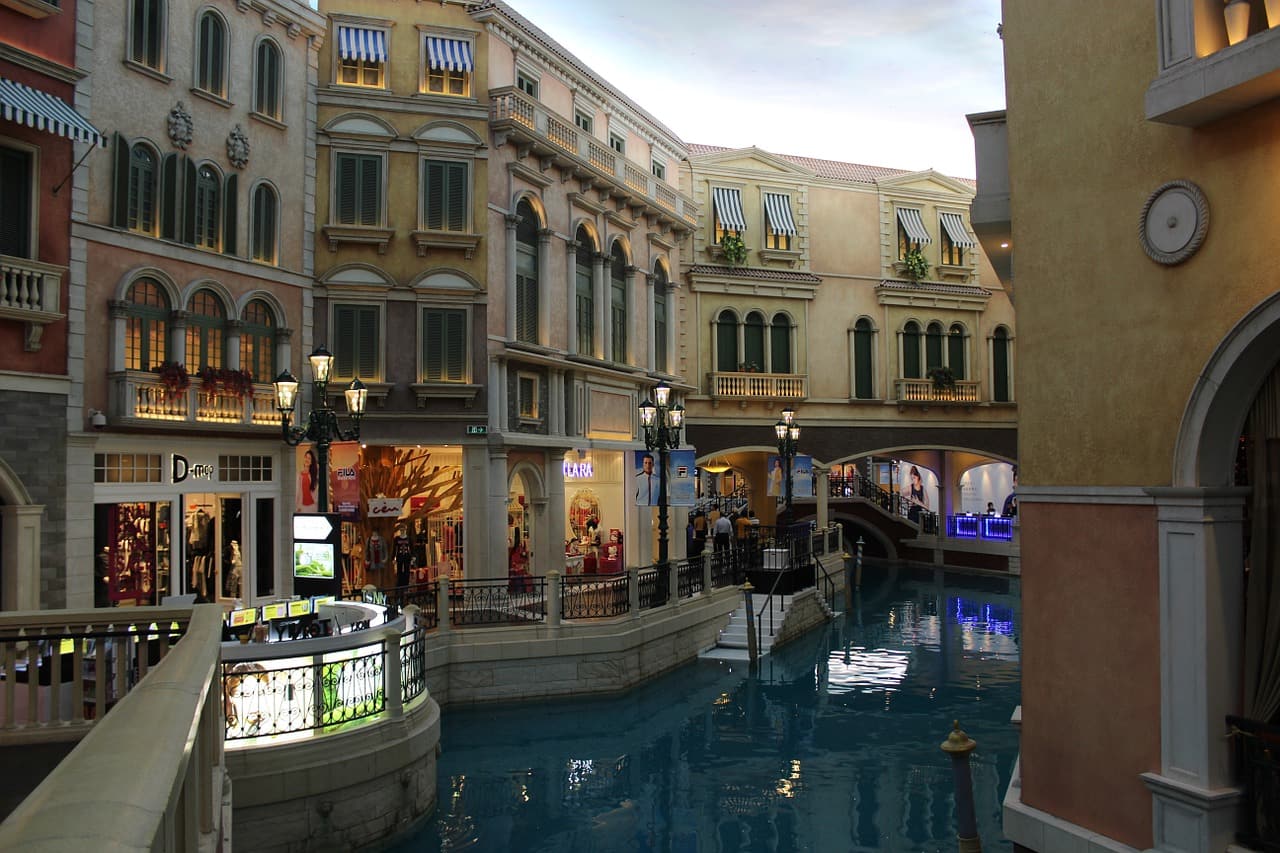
(226,380)
(174,377)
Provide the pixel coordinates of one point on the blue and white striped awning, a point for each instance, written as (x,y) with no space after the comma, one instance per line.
(360,43)
(914,225)
(43,111)
(954,226)
(728,205)
(448,54)
(777,208)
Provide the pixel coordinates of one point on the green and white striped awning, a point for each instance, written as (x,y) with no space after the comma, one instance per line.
(34,108)
(914,225)
(955,229)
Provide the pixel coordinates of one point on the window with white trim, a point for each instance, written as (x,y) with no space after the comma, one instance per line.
(659,169)
(527,84)
(258,341)
(361,56)
(263,226)
(527,395)
(444,195)
(444,345)
(357,196)
(618,143)
(211,55)
(146,33)
(206,331)
(447,65)
(582,120)
(268,80)
(356,342)
(146,344)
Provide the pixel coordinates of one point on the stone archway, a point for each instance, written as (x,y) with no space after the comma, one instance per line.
(526,480)
(20,531)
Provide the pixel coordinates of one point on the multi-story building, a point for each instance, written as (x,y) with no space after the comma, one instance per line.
(1148,390)
(42,140)
(817,312)
(192,260)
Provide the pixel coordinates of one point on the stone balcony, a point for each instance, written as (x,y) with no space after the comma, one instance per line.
(924,392)
(141,399)
(29,293)
(758,386)
(555,140)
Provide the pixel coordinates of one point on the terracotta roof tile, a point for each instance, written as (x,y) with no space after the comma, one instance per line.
(754,273)
(934,287)
(832,169)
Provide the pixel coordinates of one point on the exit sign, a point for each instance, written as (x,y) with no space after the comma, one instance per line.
(473,429)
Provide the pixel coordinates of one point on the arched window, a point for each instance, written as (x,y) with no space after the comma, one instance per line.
(1000,366)
(207,207)
(267,79)
(660,297)
(143,167)
(206,331)
(211,51)
(753,341)
(618,303)
(258,341)
(911,351)
(585,293)
(146,33)
(933,347)
(263,235)
(727,360)
(780,344)
(147,326)
(527,274)
(863,377)
(955,350)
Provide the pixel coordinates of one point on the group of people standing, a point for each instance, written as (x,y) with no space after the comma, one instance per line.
(722,530)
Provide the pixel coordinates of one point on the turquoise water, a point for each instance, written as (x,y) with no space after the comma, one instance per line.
(831,746)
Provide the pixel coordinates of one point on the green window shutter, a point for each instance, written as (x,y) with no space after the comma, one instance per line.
(367,336)
(345,197)
(120,207)
(344,340)
(660,326)
(726,343)
(171,178)
(370,189)
(862,378)
(911,353)
(455,351)
(933,347)
(230,207)
(433,203)
(753,341)
(780,345)
(188,206)
(432,332)
(1000,365)
(955,354)
(456,196)
(16,190)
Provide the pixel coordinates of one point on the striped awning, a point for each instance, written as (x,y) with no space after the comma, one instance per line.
(448,54)
(954,226)
(910,219)
(777,208)
(362,44)
(728,205)
(43,111)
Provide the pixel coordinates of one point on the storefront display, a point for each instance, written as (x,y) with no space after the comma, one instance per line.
(134,553)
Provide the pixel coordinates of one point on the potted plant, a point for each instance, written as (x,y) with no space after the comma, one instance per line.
(943,379)
(914,264)
(174,377)
(735,251)
(226,380)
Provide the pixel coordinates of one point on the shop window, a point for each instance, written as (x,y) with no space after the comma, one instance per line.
(126,468)
(146,326)
(584,290)
(619,317)
(245,469)
(211,55)
(206,332)
(527,273)
(268,78)
(133,551)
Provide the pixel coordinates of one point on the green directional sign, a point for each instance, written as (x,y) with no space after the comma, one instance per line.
(474,429)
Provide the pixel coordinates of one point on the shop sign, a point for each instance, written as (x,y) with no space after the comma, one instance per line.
(477,429)
(578,470)
(385,507)
(182,468)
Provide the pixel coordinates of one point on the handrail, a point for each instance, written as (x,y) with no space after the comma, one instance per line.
(150,775)
(861,486)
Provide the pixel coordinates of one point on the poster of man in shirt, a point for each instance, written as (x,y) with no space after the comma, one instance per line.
(680,478)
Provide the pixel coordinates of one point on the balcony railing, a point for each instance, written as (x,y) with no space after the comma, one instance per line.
(925,391)
(140,397)
(29,292)
(760,386)
(517,114)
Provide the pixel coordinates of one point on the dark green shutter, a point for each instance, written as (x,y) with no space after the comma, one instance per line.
(16,191)
(933,347)
(455,353)
(433,203)
(456,195)
(230,207)
(780,345)
(367,335)
(433,369)
(863,386)
(955,354)
(188,205)
(346,194)
(344,340)
(120,207)
(370,188)
(1000,365)
(726,343)
(753,340)
(911,352)
(171,173)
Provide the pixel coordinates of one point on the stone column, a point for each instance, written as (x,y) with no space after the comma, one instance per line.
(234,330)
(633,313)
(600,295)
(544,286)
(542,539)
(553,552)
(509,277)
(21,552)
(554,581)
(651,303)
(178,337)
(495,566)
(824,495)
(391,673)
(571,303)
(284,353)
(119,309)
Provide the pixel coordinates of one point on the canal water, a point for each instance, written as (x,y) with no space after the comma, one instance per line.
(833,745)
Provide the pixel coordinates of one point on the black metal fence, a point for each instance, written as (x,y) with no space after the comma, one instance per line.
(654,586)
(396,598)
(413,663)
(689,577)
(595,596)
(859,486)
(500,602)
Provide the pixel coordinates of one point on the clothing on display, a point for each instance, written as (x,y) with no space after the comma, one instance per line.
(201,568)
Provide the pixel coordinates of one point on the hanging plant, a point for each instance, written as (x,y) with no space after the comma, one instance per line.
(735,251)
(226,380)
(174,377)
(914,264)
(943,379)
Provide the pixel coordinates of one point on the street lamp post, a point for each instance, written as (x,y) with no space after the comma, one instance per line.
(788,433)
(322,424)
(662,423)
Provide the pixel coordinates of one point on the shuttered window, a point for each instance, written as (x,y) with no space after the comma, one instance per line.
(618,304)
(726,342)
(863,383)
(444,196)
(585,293)
(753,341)
(444,345)
(1000,365)
(911,351)
(267,79)
(206,207)
(145,35)
(527,274)
(955,351)
(264,224)
(660,297)
(355,342)
(16,181)
(933,347)
(146,326)
(780,344)
(358,192)
(258,341)
(143,167)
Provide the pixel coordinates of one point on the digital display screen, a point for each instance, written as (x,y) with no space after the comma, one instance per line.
(240,618)
(318,600)
(279,610)
(300,608)
(313,560)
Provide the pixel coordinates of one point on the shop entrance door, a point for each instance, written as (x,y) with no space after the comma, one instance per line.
(213,556)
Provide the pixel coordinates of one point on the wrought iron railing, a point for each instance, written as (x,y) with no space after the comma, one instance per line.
(689,577)
(594,596)
(892,502)
(655,587)
(396,598)
(490,602)
(726,569)
(1258,760)
(413,663)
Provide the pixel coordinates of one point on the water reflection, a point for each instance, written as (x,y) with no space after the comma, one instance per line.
(832,746)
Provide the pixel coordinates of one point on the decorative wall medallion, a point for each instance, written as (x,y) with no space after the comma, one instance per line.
(1174,222)
(180,126)
(238,147)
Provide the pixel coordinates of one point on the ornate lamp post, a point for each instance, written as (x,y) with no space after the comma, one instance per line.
(788,432)
(662,423)
(322,424)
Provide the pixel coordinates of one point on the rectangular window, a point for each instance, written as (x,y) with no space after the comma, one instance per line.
(527,391)
(726,212)
(16,180)
(659,170)
(126,468)
(362,57)
(779,224)
(443,81)
(951,253)
(244,469)
(355,342)
(527,84)
(358,189)
(444,345)
(446,66)
(582,120)
(444,196)
(618,143)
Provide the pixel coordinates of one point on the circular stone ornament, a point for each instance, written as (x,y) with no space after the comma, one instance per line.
(1174,222)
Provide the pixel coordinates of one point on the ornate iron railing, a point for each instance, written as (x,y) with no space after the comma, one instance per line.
(859,486)
(594,596)
(725,569)
(655,587)
(413,663)
(489,602)
(396,598)
(689,577)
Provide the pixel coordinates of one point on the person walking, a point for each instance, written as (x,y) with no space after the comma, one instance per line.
(723,530)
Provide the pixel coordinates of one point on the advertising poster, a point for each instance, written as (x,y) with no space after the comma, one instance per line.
(801,477)
(308,484)
(918,486)
(681,474)
(344,468)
